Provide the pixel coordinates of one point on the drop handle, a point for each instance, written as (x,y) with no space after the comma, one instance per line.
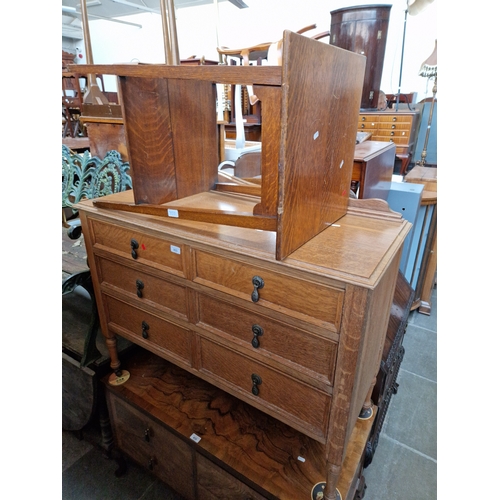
(257,283)
(147,434)
(256,381)
(257,332)
(145,330)
(134,245)
(139,285)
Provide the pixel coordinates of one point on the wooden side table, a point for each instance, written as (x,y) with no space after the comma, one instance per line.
(427,277)
(373,168)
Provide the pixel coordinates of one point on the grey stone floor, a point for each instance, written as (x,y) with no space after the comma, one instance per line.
(404,466)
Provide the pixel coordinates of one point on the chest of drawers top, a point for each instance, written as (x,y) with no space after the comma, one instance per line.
(355,249)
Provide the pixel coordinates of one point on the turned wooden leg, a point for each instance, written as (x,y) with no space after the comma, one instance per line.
(331,492)
(118,376)
(367,409)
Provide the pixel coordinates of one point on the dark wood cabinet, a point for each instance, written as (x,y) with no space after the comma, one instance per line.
(363,30)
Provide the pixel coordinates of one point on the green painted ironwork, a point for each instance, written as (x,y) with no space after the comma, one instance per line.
(86,176)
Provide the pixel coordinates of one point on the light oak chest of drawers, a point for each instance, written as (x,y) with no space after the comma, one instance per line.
(300,339)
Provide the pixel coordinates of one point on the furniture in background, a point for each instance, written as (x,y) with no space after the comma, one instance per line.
(399,127)
(404,99)
(373,169)
(427,275)
(427,134)
(364,30)
(393,354)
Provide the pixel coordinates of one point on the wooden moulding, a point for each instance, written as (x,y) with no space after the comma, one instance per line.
(310,108)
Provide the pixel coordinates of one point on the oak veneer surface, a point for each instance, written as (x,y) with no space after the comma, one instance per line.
(330,253)
(336,289)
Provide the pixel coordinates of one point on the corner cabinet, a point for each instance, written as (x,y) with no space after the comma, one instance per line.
(298,340)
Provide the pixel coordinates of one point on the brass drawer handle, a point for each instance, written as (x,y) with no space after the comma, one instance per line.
(145,330)
(393,126)
(394,119)
(257,283)
(392,133)
(257,332)
(134,245)
(256,381)
(139,285)
(362,125)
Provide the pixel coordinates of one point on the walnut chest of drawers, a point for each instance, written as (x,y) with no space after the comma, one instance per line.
(399,127)
(300,339)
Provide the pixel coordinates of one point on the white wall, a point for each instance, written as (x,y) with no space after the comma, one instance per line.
(264,21)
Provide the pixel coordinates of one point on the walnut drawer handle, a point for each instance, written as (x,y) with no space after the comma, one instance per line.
(134,245)
(257,283)
(139,285)
(257,332)
(145,330)
(256,381)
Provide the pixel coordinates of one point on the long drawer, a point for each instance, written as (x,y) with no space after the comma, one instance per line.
(153,447)
(139,247)
(160,336)
(305,300)
(143,287)
(262,334)
(305,407)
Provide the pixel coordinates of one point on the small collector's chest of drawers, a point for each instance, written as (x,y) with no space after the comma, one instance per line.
(298,341)
(399,127)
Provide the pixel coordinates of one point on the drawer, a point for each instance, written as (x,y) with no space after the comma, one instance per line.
(368,119)
(295,297)
(395,127)
(143,287)
(215,483)
(262,334)
(293,402)
(138,247)
(391,134)
(368,125)
(399,118)
(150,331)
(153,447)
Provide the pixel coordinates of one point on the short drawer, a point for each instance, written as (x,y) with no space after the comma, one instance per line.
(215,483)
(368,118)
(150,331)
(293,402)
(262,334)
(394,127)
(368,125)
(400,118)
(153,447)
(139,247)
(296,297)
(143,287)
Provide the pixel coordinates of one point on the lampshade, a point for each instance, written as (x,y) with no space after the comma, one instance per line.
(428,68)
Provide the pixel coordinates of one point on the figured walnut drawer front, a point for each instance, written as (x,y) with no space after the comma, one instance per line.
(303,299)
(150,331)
(138,247)
(153,447)
(215,483)
(143,287)
(279,394)
(262,334)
